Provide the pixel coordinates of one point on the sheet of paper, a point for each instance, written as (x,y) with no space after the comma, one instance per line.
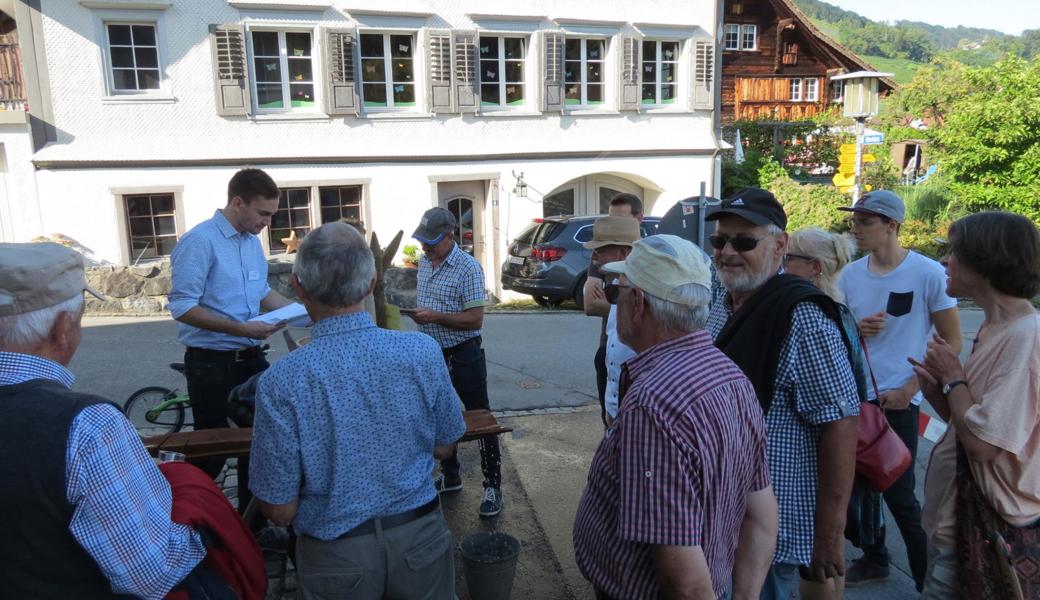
(294,315)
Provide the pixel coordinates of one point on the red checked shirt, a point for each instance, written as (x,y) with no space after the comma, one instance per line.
(687,448)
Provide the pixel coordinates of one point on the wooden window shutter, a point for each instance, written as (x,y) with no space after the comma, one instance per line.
(467,97)
(342,97)
(631,73)
(441,97)
(230,75)
(552,70)
(703,80)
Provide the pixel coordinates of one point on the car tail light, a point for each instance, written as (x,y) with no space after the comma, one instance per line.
(468,236)
(538,220)
(547,253)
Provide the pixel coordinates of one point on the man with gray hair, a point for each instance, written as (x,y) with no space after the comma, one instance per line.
(84,511)
(785,335)
(346,431)
(678,502)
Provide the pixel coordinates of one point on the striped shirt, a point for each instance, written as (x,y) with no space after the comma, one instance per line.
(676,468)
(122,502)
(456,285)
(814,385)
(223,271)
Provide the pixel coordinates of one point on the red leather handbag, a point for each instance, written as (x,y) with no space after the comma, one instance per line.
(881,457)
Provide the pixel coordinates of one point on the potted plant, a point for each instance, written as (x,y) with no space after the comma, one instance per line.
(411,256)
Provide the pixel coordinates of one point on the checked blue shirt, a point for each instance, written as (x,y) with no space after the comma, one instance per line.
(456,285)
(814,386)
(123,503)
(348,423)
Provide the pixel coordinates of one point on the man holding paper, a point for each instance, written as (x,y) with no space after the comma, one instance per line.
(219,284)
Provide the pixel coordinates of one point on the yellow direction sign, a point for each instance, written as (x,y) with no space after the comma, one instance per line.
(841,180)
(847,169)
(845,189)
(869,158)
(850,148)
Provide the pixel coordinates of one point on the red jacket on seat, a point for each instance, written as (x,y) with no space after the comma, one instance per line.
(231,549)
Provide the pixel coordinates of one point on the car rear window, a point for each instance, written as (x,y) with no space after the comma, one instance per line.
(547,232)
(527,234)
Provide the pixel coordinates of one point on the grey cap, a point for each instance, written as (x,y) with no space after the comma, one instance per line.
(880,202)
(434,225)
(36,276)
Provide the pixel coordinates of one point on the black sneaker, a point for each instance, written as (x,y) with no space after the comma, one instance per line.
(863,571)
(447,483)
(491,505)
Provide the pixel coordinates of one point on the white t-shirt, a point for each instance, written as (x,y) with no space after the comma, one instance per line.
(908,295)
(617,353)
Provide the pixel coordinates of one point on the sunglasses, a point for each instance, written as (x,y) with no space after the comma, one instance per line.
(789,256)
(739,243)
(611,291)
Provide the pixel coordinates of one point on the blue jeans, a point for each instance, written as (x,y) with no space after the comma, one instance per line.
(468,369)
(781,582)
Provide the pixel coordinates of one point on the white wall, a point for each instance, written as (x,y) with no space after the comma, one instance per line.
(19,211)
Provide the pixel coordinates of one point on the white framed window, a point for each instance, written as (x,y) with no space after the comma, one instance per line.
(151,225)
(812,92)
(660,72)
(837,91)
(583,66)
(133,57)
(387,70)
(283,65)
(731,37)
(749,37)
(502,71)
(303,207)
(795,87)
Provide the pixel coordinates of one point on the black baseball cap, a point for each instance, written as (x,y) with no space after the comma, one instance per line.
(752,204)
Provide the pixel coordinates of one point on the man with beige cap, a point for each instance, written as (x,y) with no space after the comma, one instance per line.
(678,501)
(84,511)
(612,239)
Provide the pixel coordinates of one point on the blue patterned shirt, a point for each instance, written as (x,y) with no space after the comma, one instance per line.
(224,272)
(122,502)
(814,386)
(456,285)
(348,423)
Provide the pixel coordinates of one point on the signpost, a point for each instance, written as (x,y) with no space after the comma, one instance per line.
(860,103)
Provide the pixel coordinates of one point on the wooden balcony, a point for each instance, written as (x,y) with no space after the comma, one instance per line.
(12,84)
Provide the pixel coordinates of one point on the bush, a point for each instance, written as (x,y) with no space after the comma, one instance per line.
(810,205)
(928,238)
(736,176)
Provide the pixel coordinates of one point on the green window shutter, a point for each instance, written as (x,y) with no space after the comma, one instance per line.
(341,82)
(230,75)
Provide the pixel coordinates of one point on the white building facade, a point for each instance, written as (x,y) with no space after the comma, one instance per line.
(374,111)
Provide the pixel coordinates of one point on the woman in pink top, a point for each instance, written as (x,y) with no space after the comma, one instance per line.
(982,491)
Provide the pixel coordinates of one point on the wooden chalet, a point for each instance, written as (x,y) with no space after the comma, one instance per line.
(777,65)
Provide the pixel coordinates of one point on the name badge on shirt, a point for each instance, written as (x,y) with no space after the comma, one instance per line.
(253,275)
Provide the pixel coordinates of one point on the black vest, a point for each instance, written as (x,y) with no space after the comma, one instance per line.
(39,558)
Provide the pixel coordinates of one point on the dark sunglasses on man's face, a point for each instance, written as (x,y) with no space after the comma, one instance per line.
(739,243)
(611,291)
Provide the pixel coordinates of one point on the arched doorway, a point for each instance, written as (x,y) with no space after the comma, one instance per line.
(588,195)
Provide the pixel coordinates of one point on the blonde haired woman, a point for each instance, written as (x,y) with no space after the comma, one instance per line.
(819,256)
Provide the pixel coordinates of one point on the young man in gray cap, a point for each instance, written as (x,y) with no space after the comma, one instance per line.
(450,298)
(786,336)
(897,295)
(612,239)
(84,510)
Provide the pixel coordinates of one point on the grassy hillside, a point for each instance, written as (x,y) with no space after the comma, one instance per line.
(902,68)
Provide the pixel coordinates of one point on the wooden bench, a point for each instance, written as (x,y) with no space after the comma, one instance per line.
(234,442)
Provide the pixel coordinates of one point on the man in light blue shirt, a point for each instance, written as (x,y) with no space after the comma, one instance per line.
(346,431)
(219,283)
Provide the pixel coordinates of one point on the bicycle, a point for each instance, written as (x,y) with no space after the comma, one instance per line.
(156,410)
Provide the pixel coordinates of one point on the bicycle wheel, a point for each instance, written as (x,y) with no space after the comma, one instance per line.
(142,401)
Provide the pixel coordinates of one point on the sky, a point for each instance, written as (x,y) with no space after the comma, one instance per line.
(1009,16)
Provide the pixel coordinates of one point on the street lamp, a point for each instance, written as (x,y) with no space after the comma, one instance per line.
(860,103)
(520,189)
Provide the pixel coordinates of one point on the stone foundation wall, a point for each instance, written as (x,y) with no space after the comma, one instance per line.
(142,290)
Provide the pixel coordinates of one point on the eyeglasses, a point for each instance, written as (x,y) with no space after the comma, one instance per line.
(861,222)
(611,291)
(789,256)
(739,243)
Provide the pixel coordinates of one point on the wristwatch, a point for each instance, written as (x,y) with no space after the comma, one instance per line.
(946,389)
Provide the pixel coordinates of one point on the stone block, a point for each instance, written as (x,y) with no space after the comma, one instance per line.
(122,284)
(142,305)
(279,267)
(143,270)
(159,285)
(95,306)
